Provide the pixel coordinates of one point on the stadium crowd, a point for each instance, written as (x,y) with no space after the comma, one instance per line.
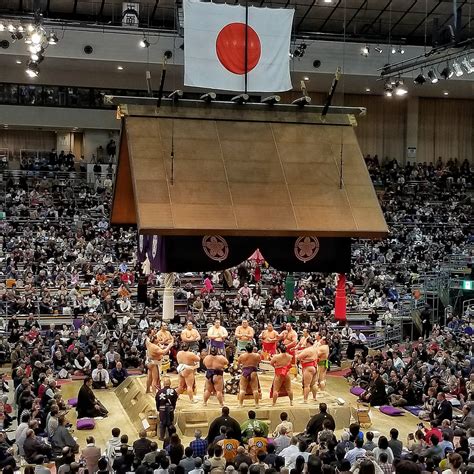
(60,257)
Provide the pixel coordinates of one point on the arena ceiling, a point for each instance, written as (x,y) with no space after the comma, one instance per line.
(384,21)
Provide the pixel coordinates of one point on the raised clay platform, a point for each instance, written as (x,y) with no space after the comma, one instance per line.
(189,417)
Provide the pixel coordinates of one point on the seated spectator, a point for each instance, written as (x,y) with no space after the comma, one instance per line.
(118,374)
(100,377)
(34,446)
(142,446)
(217,461)
(284,422)
(383,447)
(91,455)
(123,463)
(198,445)
(188,462)
(282,441)
(61,437)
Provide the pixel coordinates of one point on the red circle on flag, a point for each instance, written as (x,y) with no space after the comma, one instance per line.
(230,48)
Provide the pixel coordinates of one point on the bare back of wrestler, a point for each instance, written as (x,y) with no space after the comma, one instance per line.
(308,358)
(282,363)
(215,365)
(154,355)
(249,361)
(188,362)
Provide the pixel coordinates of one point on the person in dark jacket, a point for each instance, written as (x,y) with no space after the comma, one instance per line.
(443,410)
(87,403)
(375,394)
(141,446)
(224,420)
(315,424)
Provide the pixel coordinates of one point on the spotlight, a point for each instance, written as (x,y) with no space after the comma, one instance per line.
(300,50)
(445,93)
(20,29)
(176,95)
(144,43)
(432,76)
(400,89)
(378,49)
(467,65)
(10,28)
(28,39)
(2,27)
(447,73)
(394,50)
(457,69)
(271,99)
(36,38)
(30,28)
(37,58)
(52,38)
(32,69)
(420,79)
(302,101)
(400,50)
(34,48)
(208,97)
(365,50)
(168,54)
(240,99)
(17,36)
(388,89)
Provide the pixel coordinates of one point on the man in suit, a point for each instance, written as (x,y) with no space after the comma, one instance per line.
(442,410)
(33,447)
(91,454)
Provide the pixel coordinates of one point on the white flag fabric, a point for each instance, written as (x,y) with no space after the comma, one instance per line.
(214,47)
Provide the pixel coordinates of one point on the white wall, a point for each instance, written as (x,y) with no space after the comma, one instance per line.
(95,138)
(42,118)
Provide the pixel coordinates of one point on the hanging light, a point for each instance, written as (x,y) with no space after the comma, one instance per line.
(394,50)
(20,29)
(457,69)
(400,89)
(401,50)
(365,51)
(52,38)
(378,49)
(11,28)
(144,43)
(467,65)
(32,70)
(36,38)
(432,76)
(447,73)
(388,89)
(420,79)
(2,27)
(30,28)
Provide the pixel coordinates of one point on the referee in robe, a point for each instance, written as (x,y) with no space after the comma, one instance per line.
(87,404)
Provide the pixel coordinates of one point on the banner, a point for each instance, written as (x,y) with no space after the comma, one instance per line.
(216,252)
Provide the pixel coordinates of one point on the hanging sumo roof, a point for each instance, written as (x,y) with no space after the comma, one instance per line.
(242,170)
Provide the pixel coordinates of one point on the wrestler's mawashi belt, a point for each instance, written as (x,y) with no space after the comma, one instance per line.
(210,373)
(248,371)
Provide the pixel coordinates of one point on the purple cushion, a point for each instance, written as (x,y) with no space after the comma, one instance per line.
(358,391)
(391,411)
(72,402)
(85,424)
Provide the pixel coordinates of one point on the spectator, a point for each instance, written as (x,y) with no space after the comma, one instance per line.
(141,446)
(395,444)
(198,445)
(91,455)
(188,462)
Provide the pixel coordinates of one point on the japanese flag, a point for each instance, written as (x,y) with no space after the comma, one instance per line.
(214,47)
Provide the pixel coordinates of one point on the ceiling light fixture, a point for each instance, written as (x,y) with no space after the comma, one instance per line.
(305,78)
(432,76)
(388,89)
(400,50)
(32,70)
(10,28)
(144,43)
(365,50)
(18,61)
(378,49)
(468,66)
(445,93)
(457,69)
(394,50)
(400,89)
(299,51)
(447,73)
(120,68)
(52,38)
(367,89)
(2,27)
(420,79)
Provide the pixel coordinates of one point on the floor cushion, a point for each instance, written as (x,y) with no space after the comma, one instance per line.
(413,409)
(72,402)
(358,391)
(391,411)
(85,424)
